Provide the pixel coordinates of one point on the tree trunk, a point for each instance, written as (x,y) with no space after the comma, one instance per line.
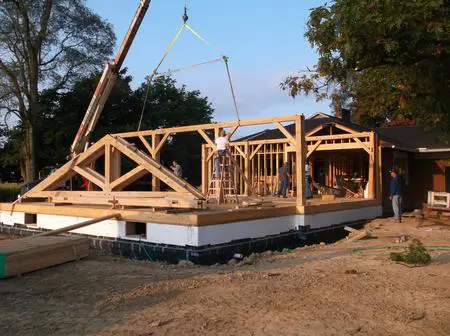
(29,153)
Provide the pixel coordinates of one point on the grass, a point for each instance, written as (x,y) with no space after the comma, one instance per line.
(9,192)
(416,254)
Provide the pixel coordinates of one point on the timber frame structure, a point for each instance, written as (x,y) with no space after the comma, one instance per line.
(259,160)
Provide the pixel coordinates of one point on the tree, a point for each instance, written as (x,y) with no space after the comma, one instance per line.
(387,60)
(45,44)
(166,106)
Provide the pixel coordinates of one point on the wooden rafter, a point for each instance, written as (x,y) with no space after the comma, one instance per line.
(313,148)
(255,151)
(286,133)
(344,128)
(240,151)
(206,138)
(233,130)
(204,127)
(87,174)
(161,143)
(338,136)
(130,177)
(316,129)
(155,168)
(146,144)
(363,146)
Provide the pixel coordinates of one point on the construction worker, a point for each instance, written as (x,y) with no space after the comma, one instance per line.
(221,144)
(177,170)
(396,194)
(308,182)
(283,176)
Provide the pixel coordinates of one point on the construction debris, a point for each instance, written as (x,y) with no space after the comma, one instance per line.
(356,234)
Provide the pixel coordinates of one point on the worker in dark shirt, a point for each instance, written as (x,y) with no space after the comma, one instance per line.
(283,176)
(395,194)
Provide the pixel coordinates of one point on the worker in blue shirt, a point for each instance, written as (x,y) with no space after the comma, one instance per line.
(396,193)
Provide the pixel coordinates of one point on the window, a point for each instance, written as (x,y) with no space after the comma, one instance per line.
(135,229)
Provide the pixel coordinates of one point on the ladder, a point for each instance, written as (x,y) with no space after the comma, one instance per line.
(222,186)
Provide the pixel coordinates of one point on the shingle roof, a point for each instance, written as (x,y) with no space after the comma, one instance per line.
(414,137)
(310,124)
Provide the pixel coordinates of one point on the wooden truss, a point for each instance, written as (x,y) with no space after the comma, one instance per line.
(111,183)
(257,164)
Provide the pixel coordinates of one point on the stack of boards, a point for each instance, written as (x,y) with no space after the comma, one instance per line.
(29,254)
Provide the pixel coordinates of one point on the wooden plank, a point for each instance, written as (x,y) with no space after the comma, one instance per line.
(206,138)
(156,139)
(247,181)
(316,129)
(123,194)
(372,168)
(313,148)
(334,147)
(115,201)
(161,143)
(239,151)
(363,145)
(194,128)
(231,133)
(77,225)
(379,191)
(248,184)
(300,159)
(116,164)
(108,167)
(257,142)
(255,151)
(29,254)
(66,171)
(204,170)
(147,145)
(344,128)
(285,133)
(128,178)
(155,168)
(338,136)
(89,176)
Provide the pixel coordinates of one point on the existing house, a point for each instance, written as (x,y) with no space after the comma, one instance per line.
(421,157)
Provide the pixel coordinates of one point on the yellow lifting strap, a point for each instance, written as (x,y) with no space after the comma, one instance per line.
(171,45)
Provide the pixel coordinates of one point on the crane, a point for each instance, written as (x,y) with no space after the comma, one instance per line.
(106,83)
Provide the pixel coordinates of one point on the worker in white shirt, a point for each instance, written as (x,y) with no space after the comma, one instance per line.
(221,144)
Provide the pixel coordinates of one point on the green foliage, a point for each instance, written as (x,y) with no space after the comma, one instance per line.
(9,192)
(46,44)
(417,254)
(167,106)
(386,58)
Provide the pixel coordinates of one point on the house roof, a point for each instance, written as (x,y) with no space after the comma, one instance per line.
(310,124)
(407,137)
(414,137)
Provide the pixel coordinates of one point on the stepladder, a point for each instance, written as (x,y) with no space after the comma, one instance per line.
(222,186)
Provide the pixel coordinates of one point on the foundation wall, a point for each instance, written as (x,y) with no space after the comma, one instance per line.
(185,235)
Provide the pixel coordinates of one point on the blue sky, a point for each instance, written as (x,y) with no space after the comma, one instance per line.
(264,40)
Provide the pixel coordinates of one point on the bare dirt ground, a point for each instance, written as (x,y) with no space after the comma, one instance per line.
(317,290)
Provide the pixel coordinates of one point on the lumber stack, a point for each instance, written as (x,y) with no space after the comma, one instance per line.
(29,254)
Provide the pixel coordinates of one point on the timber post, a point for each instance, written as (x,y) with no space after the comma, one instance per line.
(373,162)
(205,182)
(156,138)
(247,168)
(300,158)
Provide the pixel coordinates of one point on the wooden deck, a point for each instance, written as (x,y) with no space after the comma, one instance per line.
(214,214)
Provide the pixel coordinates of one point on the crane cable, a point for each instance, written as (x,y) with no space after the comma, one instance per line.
(155,73)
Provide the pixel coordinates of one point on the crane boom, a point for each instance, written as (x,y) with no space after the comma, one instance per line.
(106,83)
